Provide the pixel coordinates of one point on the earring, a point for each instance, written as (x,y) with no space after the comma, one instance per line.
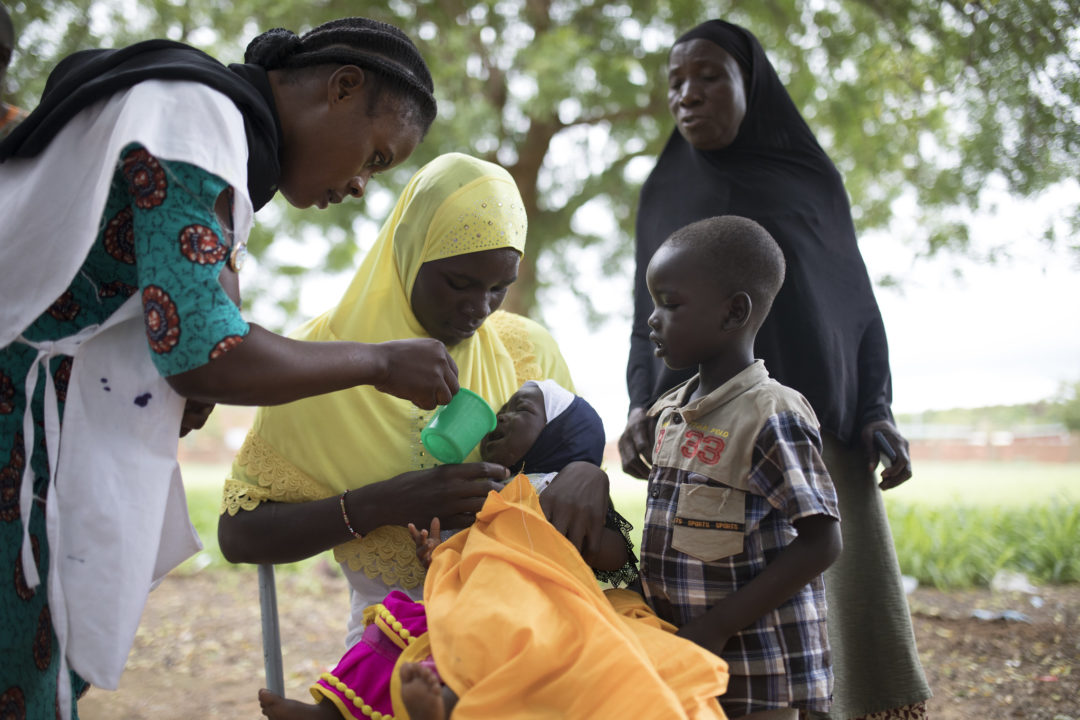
(238,255)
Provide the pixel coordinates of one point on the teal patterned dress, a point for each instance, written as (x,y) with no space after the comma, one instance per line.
(159,236)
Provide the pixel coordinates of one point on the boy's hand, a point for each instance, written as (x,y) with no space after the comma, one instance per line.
(899,471)
(704,631)
(636,443)
(426,541)
(815,547)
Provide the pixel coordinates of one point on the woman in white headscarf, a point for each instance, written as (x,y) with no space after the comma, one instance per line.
(127,196)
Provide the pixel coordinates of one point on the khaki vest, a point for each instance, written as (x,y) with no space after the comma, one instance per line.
(714,436)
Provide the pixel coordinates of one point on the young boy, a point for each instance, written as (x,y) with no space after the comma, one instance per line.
(741,516)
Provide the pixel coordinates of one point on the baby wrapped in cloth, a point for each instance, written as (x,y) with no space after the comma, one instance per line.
(515,622)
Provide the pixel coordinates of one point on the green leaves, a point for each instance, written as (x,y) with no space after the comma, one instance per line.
(931,100)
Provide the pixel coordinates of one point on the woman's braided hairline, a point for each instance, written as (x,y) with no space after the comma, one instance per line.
(363,42)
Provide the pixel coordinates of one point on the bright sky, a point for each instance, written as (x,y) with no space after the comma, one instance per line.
(997,334)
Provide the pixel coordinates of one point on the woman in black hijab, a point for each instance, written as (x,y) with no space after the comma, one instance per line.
(742,148)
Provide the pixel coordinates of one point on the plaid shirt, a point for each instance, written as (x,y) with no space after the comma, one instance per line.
(783,659)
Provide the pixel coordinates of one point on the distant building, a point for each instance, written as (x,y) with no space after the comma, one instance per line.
(1036,443)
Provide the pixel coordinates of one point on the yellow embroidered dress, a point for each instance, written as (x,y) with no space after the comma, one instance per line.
(322,446)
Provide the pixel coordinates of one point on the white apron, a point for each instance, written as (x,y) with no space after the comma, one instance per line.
(116,514)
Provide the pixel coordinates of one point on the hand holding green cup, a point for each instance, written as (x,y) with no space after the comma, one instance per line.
(457,427)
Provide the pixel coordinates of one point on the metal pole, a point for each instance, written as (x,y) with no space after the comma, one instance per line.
(271,631)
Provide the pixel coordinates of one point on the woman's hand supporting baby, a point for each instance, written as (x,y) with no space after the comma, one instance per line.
(454,493)
(576,503)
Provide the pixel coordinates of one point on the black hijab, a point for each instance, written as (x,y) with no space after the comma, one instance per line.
(576,434)
(86,77)
(824,336)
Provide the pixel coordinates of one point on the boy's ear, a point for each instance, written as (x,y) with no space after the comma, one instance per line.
(739,307)
(345,82)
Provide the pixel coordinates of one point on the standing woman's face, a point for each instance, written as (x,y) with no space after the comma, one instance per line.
(333,146)
(452,297)
(706,94)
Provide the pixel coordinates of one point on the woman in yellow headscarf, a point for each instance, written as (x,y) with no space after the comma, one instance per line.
(347,470)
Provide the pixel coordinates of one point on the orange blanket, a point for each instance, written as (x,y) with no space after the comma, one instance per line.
(520,629)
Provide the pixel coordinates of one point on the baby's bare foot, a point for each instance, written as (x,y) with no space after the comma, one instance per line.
(276,707)
(421,692)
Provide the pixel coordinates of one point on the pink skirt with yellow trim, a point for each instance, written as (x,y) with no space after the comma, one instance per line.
(360,685)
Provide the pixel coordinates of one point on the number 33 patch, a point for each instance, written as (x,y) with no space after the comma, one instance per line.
(705,448)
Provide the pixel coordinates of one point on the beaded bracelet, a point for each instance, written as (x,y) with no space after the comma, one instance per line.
(345,517)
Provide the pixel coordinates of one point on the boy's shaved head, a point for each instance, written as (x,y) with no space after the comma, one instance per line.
(739,253)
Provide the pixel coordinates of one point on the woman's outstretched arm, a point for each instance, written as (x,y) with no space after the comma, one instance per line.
(269,369)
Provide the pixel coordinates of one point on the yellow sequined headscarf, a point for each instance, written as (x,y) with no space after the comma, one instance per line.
(454,205)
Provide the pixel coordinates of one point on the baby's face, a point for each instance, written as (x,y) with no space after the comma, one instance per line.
(518,424)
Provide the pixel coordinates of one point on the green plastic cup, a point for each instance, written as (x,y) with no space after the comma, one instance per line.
(457,427)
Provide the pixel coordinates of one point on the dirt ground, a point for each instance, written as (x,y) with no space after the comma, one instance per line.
(198,652)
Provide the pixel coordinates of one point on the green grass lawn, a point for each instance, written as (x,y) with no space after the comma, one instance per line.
(987,484)
(937,485)
(954,524)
